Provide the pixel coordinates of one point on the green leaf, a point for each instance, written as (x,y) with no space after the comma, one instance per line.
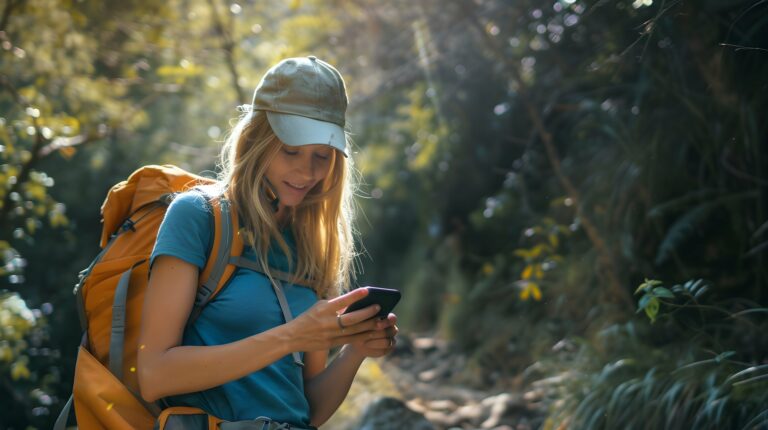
(648,284)
(751,380)
(643,303)
(652,309)
(695,364)
(724,355)
(663,292)
(746,371)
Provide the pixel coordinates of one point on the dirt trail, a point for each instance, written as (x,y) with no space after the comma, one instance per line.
(426,374)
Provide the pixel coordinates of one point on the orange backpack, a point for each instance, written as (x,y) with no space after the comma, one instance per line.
(110,295)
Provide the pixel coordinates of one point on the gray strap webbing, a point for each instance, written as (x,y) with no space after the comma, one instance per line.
(80,302)
(259,423)
(61,421)
(184,422)
(117,336)
(287,315)
(83,275)
(222,259)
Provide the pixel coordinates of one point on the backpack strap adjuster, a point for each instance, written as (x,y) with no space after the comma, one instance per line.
(129,224)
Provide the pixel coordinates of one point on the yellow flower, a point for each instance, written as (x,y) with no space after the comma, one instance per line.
(19,370)
(530,289)
(487,269)
(553,240)
(527,272)
(536,292)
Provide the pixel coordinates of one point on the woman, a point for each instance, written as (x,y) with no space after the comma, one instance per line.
(285,171)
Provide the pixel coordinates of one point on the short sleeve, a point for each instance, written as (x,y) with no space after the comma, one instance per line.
(186,232)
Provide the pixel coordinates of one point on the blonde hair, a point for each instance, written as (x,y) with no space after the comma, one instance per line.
(321,223)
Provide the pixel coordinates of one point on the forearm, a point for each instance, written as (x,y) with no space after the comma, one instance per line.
(326,391)
(186,369)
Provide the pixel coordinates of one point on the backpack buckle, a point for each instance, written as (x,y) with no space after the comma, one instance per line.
(128,225)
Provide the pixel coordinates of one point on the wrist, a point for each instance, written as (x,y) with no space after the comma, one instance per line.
(285,341)
(350,352)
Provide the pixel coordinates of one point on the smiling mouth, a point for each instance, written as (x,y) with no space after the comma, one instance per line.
(296,187)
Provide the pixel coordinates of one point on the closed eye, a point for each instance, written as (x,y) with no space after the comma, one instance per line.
(290,152)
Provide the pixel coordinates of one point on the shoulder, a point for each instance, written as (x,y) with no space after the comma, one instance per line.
(186,231)
(189,211)
(193,200)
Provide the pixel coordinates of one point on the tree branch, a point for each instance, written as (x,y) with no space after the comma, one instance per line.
(605,257)
(26,168)
(9,6)
(66,142)
(228,46)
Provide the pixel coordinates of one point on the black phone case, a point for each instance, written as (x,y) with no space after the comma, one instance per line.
(385,297)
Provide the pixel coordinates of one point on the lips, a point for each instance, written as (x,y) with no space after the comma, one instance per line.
(296,187)
(297,190)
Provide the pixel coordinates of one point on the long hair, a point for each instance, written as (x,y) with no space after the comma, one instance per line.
(321,224)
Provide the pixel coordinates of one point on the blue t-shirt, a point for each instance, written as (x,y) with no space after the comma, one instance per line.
(245,307)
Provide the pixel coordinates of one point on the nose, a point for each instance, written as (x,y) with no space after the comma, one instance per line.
(307,167)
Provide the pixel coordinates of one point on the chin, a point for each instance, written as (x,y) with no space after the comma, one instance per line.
(291,202)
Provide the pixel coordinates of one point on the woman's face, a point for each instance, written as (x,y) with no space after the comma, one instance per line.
(296,169)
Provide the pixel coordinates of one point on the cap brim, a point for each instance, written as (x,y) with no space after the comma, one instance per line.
(296,130)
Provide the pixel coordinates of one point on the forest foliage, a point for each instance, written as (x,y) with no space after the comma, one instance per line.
(574,191)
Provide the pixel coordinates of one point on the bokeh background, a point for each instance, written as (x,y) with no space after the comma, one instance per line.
(573,194)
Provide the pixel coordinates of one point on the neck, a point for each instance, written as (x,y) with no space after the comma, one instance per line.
(282,215)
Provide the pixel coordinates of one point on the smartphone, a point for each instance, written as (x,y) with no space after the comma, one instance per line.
(385,297)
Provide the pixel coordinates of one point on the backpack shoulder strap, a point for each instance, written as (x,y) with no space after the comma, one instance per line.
(224,259)
(226,244)
(274,277)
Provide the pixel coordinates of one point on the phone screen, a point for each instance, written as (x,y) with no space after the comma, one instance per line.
(385,297)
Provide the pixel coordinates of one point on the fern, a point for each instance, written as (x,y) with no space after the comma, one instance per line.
(688,223)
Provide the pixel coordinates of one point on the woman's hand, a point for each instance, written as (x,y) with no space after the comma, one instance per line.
(326,387)
(323,326)
(381,341)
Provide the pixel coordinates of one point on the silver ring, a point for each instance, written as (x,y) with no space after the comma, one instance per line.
(338,321)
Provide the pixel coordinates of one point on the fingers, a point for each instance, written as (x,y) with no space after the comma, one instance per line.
(380,346)
(340,303)
(323,327)
(358,321)
(384,344)
(391,319)
(358,316)
(385,329)
(377,339)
